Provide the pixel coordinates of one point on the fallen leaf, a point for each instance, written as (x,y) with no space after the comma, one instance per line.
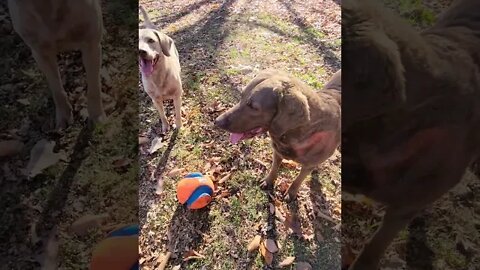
(289,164)
(121,163)
(283,187)
(271,246)
(175,172)
(207,166)
(254,244)
(309,237)
(303,266)
(142,140)
(159,186)
(272,208)
(84,113)
(23,101)
(292,222)
(33,234)
(287,261)
(267,255)
(164,261)
(260,162)
(279,215)
(106,76)
(42,157)
(224,194)
(50,255)
(156,144)
(10,148)
(225,178)
(192,255)
(215,159)
(84,224)
(176,267)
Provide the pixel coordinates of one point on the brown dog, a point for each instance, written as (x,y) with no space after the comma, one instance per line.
(411,111)
(160,68)
(51,27)
(304,126)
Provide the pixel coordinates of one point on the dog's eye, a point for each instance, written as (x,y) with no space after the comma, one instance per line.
(250,104)
(150,40)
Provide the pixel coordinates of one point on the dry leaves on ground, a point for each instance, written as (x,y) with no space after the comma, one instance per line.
(287,261)
(82,225)
(267,255)
(254,244)
(271,245)
(303,266)
(175,172)
(42,157)
(157,143)
(192,255)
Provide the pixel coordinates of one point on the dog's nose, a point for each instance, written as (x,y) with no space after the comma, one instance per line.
(221,121)
(142,52)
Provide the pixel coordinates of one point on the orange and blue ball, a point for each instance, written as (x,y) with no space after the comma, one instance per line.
(118,251)
(195,190)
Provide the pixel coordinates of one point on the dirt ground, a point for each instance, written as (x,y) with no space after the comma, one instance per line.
(222,45)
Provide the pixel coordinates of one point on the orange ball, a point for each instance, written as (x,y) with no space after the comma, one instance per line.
(118,251)
(195,190)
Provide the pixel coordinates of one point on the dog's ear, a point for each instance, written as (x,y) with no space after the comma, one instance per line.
(165,43)
(293,110)
(375,82)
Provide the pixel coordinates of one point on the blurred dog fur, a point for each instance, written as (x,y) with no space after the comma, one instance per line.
(51,27)
(411,107)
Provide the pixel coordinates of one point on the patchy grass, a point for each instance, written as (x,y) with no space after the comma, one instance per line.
(222,46)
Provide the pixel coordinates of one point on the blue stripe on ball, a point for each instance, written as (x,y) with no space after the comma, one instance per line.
(125,231)
(199,192)
(194,175)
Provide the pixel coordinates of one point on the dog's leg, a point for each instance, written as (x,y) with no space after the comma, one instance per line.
(292,191)
(159,105)
(393,221)
(92,60)
(47,62)
(269,180)
(177,103)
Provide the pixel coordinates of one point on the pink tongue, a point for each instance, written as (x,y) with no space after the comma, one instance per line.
(236,137)
(147,67)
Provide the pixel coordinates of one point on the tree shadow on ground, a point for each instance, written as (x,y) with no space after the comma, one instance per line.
(53,207)
(186,230)
(182,13)
(197,46)
(327,254)
(331,60)
(419,255)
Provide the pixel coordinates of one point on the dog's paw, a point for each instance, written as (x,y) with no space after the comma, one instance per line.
(99,119)
(266,184)
(178,124)
(165,128)
(63,118)
(290,195)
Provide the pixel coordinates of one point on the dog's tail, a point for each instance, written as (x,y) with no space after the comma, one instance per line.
(148,23)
